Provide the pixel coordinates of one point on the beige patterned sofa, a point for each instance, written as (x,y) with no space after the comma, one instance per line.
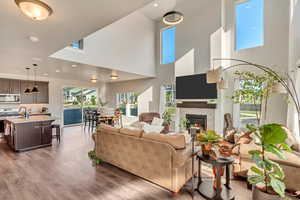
(162,159)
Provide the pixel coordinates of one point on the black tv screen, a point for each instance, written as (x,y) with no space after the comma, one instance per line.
(195,87)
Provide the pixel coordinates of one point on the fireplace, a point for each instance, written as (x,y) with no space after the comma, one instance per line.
(197,120)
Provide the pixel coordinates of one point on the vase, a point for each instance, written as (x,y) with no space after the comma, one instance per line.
(257,194)
(221,173)
(206,149)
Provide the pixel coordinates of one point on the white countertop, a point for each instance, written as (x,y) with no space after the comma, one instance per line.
(39,118)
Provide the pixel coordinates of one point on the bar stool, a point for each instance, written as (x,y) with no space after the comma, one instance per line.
(94,119)
(57,131)
(87,118)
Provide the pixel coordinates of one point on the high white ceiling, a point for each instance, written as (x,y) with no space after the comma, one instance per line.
(71,20)
(66,70)
(156,9)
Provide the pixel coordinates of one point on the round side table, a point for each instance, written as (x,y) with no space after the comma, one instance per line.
(206,188)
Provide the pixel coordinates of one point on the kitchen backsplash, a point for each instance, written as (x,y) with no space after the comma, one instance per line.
(35,108)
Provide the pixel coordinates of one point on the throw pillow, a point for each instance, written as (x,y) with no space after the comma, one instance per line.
(157,121)
(152,128)
(138,124)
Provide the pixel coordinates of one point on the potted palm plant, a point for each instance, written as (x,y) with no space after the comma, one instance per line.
(183,125)
(168,118)
(268,176)
(207,140)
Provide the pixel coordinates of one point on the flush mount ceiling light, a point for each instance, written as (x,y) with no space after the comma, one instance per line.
(94,80)
(37,59)
(35,9)
(114,77)
(34,39)
(173,18)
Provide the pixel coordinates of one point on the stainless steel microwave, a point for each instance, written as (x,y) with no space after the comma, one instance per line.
(10,98)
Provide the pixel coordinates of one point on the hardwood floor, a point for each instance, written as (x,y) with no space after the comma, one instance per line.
(64,172)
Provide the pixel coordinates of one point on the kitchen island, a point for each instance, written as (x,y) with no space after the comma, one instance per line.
(24,134)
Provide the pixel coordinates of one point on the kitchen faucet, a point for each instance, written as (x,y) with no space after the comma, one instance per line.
(25,114)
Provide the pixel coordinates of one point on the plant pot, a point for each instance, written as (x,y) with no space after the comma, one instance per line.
(166,128)
(257,194)
(206,149)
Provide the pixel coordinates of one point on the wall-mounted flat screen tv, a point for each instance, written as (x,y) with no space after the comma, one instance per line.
(195,87)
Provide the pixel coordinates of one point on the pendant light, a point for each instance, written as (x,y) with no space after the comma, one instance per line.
(213,76)
(34,9)
(27,89)
(35,87)
(222,84)
(173,18)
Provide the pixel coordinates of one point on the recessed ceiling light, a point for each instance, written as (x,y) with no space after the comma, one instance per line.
(37,59)
(94,80)
(35,9)
(57,71)
(74,65)
(34,39)
(155,4)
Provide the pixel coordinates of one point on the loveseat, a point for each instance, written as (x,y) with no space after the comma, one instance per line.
(161,159)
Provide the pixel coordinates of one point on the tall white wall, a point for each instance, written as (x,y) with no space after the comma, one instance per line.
(126,45)
(201,20)
(294,57)
(274,52)
(148,90)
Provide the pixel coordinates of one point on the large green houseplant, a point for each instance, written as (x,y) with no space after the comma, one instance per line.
(268,175)
(168,117)
(254,89)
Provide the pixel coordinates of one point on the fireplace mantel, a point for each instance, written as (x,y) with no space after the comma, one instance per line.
(191,104)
